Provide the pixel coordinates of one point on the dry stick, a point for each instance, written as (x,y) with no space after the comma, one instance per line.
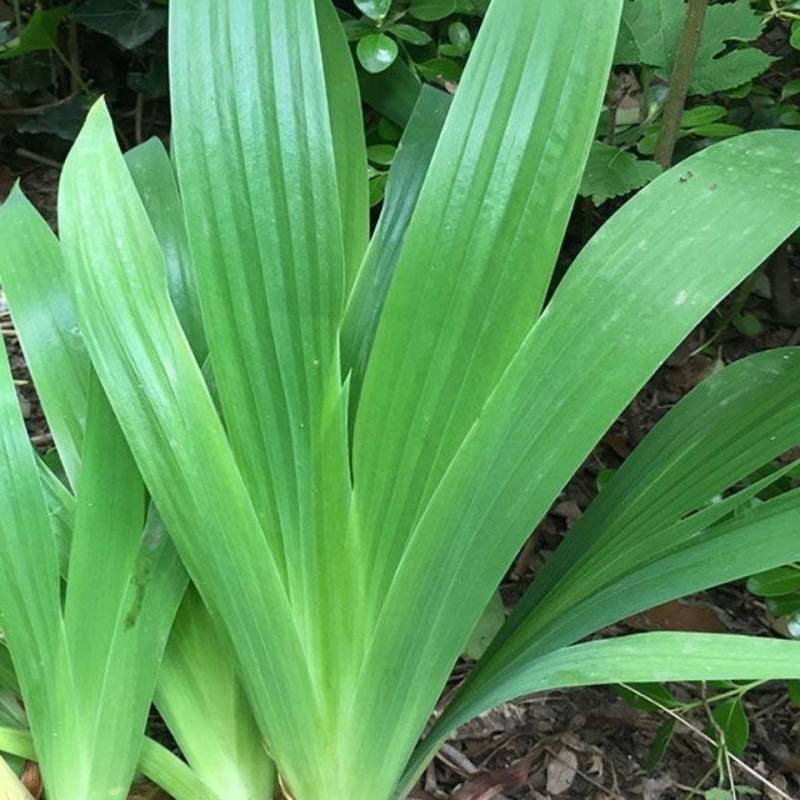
(679,82)
(738,761)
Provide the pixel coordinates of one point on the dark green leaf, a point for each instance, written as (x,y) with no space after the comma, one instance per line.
(410,34)
(39,34)
(382,154)
(732,721)
(129,22)
(431,10)
(660,743)
(775,582)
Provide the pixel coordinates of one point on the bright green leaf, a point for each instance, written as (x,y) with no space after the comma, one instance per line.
(376,52)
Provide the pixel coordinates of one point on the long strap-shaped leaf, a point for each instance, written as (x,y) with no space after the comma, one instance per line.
(406,176)
(628,300)
(478,254)
(729,426)
(32,274)
(151,170)
(259,185)
(641,658)
(347,130)
(159,395)
(30,602)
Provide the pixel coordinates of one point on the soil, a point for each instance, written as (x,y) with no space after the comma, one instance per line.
(587,743)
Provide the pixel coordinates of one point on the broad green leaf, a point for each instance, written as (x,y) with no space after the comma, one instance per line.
(481,244)
(731,719)
(347,129)
(152,172)
(159,396)
(200,698)
(612,171)
(40,33)
(266,239)
(376,52)
(408,172)
(130,23)
(633,286)
(33,280)
(638,659)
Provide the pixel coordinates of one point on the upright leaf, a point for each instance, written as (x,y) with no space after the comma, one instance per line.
(159,395)
(481,246)
(34,282)
(259,185)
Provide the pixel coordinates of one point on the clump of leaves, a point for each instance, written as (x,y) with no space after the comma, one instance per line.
(380,422)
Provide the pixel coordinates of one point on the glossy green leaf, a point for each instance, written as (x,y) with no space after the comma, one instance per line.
(160,398)
(732,423)
(408,172)
(130,23)
(410,34)
(376,52)
(272,293)
(33,280)
(347,130)
(152,172)
(375,9)
(511,466)
(432,368)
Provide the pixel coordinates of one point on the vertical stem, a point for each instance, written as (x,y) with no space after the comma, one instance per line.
(679,83)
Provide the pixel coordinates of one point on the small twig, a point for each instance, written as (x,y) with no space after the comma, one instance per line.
(705,737)
(31,156)
(138,118)
(679,82)
(74,51)
(33,111)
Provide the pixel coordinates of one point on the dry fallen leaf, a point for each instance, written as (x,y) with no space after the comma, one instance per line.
(561,770)
(678,616)
(488,785)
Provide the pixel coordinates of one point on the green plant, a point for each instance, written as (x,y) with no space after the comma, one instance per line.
(380,423)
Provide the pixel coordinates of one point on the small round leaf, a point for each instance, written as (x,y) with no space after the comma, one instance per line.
(374,9)
(376,52)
